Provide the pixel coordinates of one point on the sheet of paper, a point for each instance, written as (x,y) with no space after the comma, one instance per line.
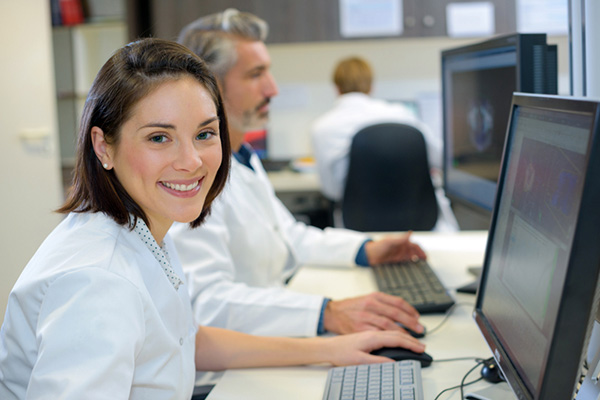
(291,96)
(543,16)
(470,19)
(366,18)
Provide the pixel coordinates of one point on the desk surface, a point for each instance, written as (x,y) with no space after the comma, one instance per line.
(450,255)
(290,181)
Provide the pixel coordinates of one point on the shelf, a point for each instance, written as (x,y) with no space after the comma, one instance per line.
(79,53)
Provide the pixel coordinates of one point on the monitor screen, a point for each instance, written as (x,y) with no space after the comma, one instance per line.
(478,83)
(542,258)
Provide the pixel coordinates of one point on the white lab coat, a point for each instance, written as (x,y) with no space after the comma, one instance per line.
(93,316)
(238,261)
(332,135)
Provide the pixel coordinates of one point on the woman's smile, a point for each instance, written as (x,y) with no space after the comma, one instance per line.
(182,189)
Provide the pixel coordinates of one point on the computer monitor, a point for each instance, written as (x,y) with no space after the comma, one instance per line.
(478,81)
(535,304)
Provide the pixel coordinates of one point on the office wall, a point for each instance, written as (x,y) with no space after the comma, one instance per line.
(405,69)
(29,160)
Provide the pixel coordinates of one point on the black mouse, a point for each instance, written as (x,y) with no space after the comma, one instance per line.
(490,371)
(399,354)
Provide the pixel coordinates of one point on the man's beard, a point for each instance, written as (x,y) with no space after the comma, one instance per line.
(255,119)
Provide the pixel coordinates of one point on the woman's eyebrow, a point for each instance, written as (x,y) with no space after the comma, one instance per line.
(209,121)
(164,125)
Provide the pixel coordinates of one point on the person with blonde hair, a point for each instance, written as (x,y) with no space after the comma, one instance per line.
(354,109)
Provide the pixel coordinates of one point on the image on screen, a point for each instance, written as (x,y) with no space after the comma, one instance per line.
(481,109)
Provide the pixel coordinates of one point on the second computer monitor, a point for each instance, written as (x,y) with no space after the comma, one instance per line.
(478,82)
(538,287)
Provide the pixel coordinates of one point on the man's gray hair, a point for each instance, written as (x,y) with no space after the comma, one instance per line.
(213,37)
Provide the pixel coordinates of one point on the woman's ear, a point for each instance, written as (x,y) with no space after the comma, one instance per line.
(101,148)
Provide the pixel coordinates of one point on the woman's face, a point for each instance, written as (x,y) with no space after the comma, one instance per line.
(169,153)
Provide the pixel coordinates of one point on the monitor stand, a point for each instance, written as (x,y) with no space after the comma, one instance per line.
(471,288)
(495,391)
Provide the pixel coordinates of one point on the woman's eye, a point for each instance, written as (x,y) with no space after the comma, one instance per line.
(205,135)
(158,138)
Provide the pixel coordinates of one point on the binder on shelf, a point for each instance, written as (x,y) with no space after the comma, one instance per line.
(55,12)
(71,12)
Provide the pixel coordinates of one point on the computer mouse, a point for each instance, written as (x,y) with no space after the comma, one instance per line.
(399,354)
(490,371)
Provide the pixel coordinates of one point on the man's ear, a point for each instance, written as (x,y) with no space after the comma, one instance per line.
(102,149)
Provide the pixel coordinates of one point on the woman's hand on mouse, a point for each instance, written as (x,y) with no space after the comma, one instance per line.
(355,348)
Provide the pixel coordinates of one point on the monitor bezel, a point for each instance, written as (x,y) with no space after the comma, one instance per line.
(571,330)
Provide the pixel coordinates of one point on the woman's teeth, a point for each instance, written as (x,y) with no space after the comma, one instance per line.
(180,188)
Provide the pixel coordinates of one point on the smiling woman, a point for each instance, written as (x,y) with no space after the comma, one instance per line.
(102,309)
(140,73)
(102,294)
(168,153)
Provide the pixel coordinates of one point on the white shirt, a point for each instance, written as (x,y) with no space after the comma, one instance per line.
(236,263)
(93,316)
(332,135)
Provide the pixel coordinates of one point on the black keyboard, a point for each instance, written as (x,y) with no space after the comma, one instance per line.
(416,283)
(390,381)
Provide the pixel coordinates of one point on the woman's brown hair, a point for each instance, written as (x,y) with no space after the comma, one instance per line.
(128,76)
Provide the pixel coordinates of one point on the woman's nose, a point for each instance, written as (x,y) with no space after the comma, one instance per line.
(188,158)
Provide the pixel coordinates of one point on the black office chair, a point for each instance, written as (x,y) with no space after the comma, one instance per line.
(388,186)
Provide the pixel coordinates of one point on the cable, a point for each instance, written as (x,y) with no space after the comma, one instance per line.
(480,361)
(456,387)
(448,313)
(462,383)
(477,359)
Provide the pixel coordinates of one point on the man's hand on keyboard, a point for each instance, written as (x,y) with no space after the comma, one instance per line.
(375,311)
(393,249)
(356,348)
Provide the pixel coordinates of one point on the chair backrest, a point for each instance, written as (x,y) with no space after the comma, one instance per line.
(388,186)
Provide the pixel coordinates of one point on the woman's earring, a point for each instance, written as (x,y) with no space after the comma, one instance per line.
(105,165)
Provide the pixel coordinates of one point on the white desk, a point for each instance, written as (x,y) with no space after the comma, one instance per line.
(286,181)
(449,255)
